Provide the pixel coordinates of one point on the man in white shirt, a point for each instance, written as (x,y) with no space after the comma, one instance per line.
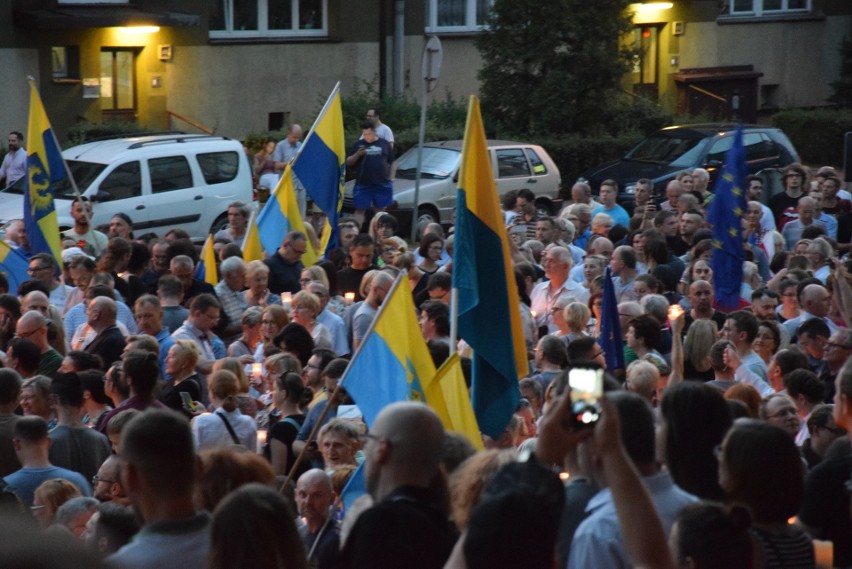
(557,263)
(14,166)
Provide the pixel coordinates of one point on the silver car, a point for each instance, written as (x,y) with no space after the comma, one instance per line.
(516,165)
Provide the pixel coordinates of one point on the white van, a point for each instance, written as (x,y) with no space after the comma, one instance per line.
(160,181)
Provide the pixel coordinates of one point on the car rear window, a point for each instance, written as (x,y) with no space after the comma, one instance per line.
(169,174)
(537,164)
(219,167)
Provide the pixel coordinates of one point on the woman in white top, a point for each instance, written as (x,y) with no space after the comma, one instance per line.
(225,426)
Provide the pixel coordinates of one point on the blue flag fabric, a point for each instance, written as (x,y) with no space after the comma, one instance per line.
(319,164)
(45,168)
(354,489)
(14,265)
(610,338)
(489,317)
(726,213)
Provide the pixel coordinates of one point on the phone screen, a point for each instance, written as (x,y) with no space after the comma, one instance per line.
(586,390)
(187,400)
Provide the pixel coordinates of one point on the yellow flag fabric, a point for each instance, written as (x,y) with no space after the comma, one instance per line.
(252,249)
(457,415)
(207,264)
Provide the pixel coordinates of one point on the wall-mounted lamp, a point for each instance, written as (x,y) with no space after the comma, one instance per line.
(140,30)
(650,6)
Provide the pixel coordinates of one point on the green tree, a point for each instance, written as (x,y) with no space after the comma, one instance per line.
(554,66)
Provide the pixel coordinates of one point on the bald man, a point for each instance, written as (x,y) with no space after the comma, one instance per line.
(109,341)
(32,326)
(792,230)
(314,498)
(36,300)
(815,302)
(406,527)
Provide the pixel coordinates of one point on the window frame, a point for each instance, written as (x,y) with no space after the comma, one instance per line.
(469,26)
(758,11)
(263,30)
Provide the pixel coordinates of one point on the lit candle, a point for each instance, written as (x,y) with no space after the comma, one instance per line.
(261,440)
(675,311)
(286,298)
(534,313)
(349,297)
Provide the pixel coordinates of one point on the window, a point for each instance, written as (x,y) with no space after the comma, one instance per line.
(768,7)
(65,62)
(268,18)
(122,183)
(118,79)
(512,163)
(169,174)
(537,165)
(757,146)
(457,15)
(219,167)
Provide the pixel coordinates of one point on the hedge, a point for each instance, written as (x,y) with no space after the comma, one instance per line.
(817,134)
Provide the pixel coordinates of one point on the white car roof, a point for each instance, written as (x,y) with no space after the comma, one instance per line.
(111,150)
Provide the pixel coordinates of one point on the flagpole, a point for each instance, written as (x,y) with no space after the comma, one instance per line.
(31,80)
(314,126)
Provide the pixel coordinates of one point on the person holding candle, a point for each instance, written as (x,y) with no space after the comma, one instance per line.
(180,365)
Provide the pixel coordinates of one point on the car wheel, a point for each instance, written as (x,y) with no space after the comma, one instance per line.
(220,224)
(425,216)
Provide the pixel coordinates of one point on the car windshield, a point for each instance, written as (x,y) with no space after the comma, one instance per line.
(84,174)
(676,150)
(437,163)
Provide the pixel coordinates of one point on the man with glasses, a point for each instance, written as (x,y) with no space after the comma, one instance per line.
(107,484)
(557,263)
(32,326)
(43,268)
(203,315)
(312,373)
(183,267)
(285,266)
(837,351)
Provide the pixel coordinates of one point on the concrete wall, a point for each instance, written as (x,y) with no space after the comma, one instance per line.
(15,65)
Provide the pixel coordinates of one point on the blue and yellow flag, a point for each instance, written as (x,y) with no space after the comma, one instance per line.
(45,167)
(489,317)
(252,249)
(280,215)
(14,265)
(393,364)
(206,268)
(610,338)
(319,164)
(457,415)
(726,213)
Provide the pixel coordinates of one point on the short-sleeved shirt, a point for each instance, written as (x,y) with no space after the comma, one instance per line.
(26,480)
(373,169)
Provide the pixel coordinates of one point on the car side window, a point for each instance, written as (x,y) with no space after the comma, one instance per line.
(512,163)
(169,174)
(538,166)
(758,146)
(125,181)
(219,167)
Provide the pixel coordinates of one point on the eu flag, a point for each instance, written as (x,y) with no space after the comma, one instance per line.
(45,167)
(319,164)
(610,338)
(726,213)
(489,315)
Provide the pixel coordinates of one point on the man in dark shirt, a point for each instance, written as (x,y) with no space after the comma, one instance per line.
(320,534)
(285,266)
(406,527)
(183,267)
(371,160)
(109,341)
(360,262)
(784,205)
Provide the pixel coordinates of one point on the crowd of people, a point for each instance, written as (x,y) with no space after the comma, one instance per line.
(151,419)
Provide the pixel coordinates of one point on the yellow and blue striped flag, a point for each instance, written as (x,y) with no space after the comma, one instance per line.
(45,167)
(489,317)
(319,164)
(280,215)
(393,363)
(206,268)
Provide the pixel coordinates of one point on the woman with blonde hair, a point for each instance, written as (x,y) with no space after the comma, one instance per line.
(257,281)
(305,308)
(576,316)
(313,273)
(225,425)
(469,480)
(181,360)
(696,350)
(49,496)
(272,320)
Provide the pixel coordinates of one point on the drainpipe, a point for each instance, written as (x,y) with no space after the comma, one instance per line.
(398,46)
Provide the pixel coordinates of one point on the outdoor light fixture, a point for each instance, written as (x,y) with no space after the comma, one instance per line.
(649,6)
(140,30)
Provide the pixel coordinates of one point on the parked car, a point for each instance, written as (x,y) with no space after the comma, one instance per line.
(675,149)
(160,181)
(516,165)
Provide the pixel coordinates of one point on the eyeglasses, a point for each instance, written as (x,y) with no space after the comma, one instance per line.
(27,334)
(789,412)
(832,430)
(34,508)
(33,270)
(96,479)
(304,281)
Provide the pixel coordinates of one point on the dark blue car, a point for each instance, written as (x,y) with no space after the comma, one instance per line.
(675,149)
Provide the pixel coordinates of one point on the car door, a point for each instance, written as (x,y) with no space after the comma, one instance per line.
(120,190)
(176,199)
(513,170)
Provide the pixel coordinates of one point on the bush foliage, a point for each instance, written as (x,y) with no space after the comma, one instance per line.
(817,134)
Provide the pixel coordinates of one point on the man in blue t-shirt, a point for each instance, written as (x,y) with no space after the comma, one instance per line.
(371,160)
(608,194)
